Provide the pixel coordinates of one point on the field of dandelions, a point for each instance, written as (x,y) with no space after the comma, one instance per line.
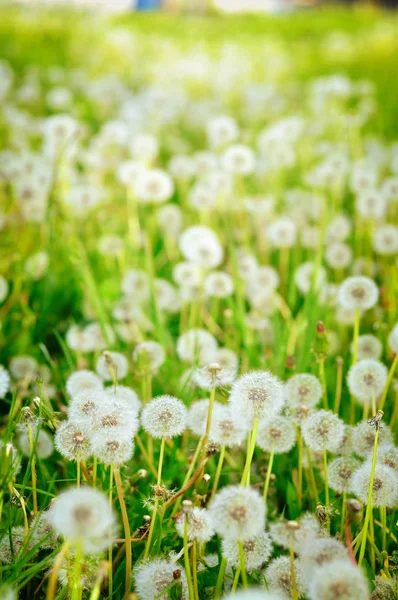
(198,306)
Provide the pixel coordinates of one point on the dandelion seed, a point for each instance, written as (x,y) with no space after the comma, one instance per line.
(221,131)
(72,442)
(150,355)
(197,415)
(23,367)
(282,232)
(239,159)
(218,284)
(124,397)
(114,448)
(153,186)
(83,516)
(225,431)
(164,416)
(211,376)
(304,277)
(135,285)
(238,513)
(200,245)
(43,532)
(338,255)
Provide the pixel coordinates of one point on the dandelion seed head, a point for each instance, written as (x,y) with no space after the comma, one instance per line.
(388,455)
(277,435)
(42,532)
(385,240)
(218,284)
(170,220)
(339,229)
(149,355)
(125,397)
(115,448)
(304,277)
(212,375)
(303,389)
(282,233)
(385,485)
(164,416)
(363,436)
(258,394)
(338,255)
(238,513)
(221,131)
(4,381)
(369,346)
(358,292)
(225,431)
(112,365)
(285,537)
(84,406)
(279,577)
(153,186)
(323,430)
(43,444)
(83,380)
(238,159)
(83,515)
(89,568)
(200,525)
(154,576)
(72,441)
(338,579)
(366,379)
(318,552)
(196,345)
(8,554)
(197,415)
(200,246)
(23,367)
(257,551)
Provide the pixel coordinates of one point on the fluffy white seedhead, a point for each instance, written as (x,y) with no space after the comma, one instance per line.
(72,441)
(304,278)
(114,448)
(167,297)
(135,285)
(8,554)
(239,159)
(164,416)
(393,339)
(124,395)
(303,389)
(282,233)
(258,394)
(366,379)
(385,240)
(218,284)
(81,381)
(112,365)
(4,381)
(23,367)
(201,246)
(338,255)
(153,186)
(149,356)
(369,346)
(212,376)
(340,473)
(154,576)
(338,579)
(257,551)
(320,551)
(42,532)
(200,524)
(85,405)
(278,575)
(225,431)
(388,455)
(43,444)
(285,536)
(196,345)
(238,513)
(115,416)
(197,415)
(276,435)
(83,515)
(323,430)
(89,568)
(385,485)
(363,437)
(358,293)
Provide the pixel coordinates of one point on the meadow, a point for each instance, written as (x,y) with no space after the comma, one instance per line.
(198,305)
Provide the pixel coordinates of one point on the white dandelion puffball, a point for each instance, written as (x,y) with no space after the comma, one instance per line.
(256,395)
(304,277)
(114,448)
(3,288)
(385,485)
(211,376)
(277,434)
(218,284)
(195,345)
(112,365)
(363,437)
(200,524)
(257,551)
(144,147)
(320,551)
(153,186)
(221,131)
(43,445)
(43,532)
(36,265)
(366,379)
(393,339)
(72,442)
(135,286)
(238,513)
(369,346)
(80,381)
(385,240)
(164,416)
(239,159)
(124,396)
(224,430)
(85,405)
(149,355)
(303,389)
(197,415)
(286,537)
(358,293)
(340,473)
(170,219)
(116,415)
(154,576)
(338,579)
(23,367)
(338,255)
(200,246)
(8,554)
(4,381)
(278,575)
(371,204)
(282,233)
(83,515)
(323,430)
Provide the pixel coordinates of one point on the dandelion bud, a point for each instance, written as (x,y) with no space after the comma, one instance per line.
(164,416)
(187,506)
(338,579)
(238,513)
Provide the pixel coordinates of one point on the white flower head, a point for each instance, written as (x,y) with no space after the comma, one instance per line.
(340,473)
(366,379)
(369,346)
(200,525)
(338,579)
(80,381)
(201,246)
(149,355)
(358,292)
(112,365)
(278,575)
(154,576)
(164,416)
(238,513)
(277,434)
(196,345)
(323,430)
(72,441)
(303,389)
(257,551)
(4,381)
(225,431)
(385,485)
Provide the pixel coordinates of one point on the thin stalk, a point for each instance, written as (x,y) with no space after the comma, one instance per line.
(208,422)
(146,456)
(300,469)
(339,384)
(383,519)
(52,582)
(186,560)
(190,470)
(269,472)
(242,564)
(126,526)
(33,469)
(369,509)
(23,506)
(220,579)
(356,336)
(388,382)
(110,580)
(322,377)
(326,477)
(246,471)
(293,574)
(155,509)
(95,467)
(312,477)
(77,570)
(218,472)
(343,514)
(236,580)
(195,571)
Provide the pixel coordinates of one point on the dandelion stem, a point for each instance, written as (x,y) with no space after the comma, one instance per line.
(343,514)
(220,579)
(110,581)
(339,384)
(33,468)
(246,471)
(369,508)
(155,508)
(312,477)
(383,519)
(126,525)
(323,382)
(356,336)
(242,563)
(218,472)
(235,581)
(195,571)
(269,472)
(208,422)
(52,583)
(23,506)
(293,573)
(186,560)
(300,469)
(326,476)
(146,456)
(388,382)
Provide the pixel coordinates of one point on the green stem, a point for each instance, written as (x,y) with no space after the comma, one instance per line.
(246,471)
(126,526)
(110,580)
(323,382)
(186,560)
(326,476)
(388,383)
(343,513)
(220,579)
(242,564)
(369,509)
(155,509)
(218,472)
(269,472)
